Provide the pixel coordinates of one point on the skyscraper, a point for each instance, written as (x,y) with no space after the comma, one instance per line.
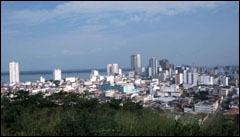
(42,79)
(109,69)
(185,76)
(190,78)
(179,78)
(195,78)
(115,68)
(14,72)
(136,63)
(164,63)
(153,63)
(57,74)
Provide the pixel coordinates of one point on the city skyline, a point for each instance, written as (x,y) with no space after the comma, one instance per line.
(72,35)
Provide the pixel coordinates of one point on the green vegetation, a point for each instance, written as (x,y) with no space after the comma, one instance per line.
(69,114)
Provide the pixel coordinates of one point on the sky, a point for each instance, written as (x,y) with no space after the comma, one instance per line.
(87,35)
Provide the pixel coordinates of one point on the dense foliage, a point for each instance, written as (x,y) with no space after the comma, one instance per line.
(73,114)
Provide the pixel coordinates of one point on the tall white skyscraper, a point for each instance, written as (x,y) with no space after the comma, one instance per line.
(42,79)
(195,78)
(179,78)
(14,72)
(189,77)
(112,69)
(115,68)
(57,74)
(185,76)
(109,69)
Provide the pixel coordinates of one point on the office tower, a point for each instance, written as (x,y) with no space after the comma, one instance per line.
(14,72)
(185,76)
(57,74)
(120,71)
(144,71)
(115,68)
(179,69)
(172,66)
(42,79)
(189,77)
(224,81)
(109,69)
(164,63)
(149,71)
(136,63)
(195,78)
(153,63)
(179,78)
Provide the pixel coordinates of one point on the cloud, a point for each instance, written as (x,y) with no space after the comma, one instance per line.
(92,9)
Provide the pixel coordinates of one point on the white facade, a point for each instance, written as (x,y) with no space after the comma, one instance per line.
(57,74)
(71,79)
(42,79)
(115,68)
(95,72)
(206,80)
(120,71)
(195,78)
(14,72)
(185,76)
(203,107)
(224,81)
(131,74)
(190,78)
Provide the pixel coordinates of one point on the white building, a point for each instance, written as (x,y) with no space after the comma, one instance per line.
(185,76)
(109,93)
(223,92)
(131,74)
(42,79)
(112,69)
(179,78)
(120,71)
(195,78)
(14,72)
(115,68)
(57,74)
(71,79)
(95,72)
(224,81)
(206,107)
(190,78)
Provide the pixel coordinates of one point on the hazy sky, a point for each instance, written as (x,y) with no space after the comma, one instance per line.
(83,35)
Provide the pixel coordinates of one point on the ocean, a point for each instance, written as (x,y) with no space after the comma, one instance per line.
(33,76)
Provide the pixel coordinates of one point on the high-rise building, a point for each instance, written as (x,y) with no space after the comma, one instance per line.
(179,78)
(185,76)
(195,78)
(153,63)
(164,63)
(189,77)
(224,81)
(136,63)
(115,68)
(14,72)
(120,71)
(109,69)
(42,79)
(57,74)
